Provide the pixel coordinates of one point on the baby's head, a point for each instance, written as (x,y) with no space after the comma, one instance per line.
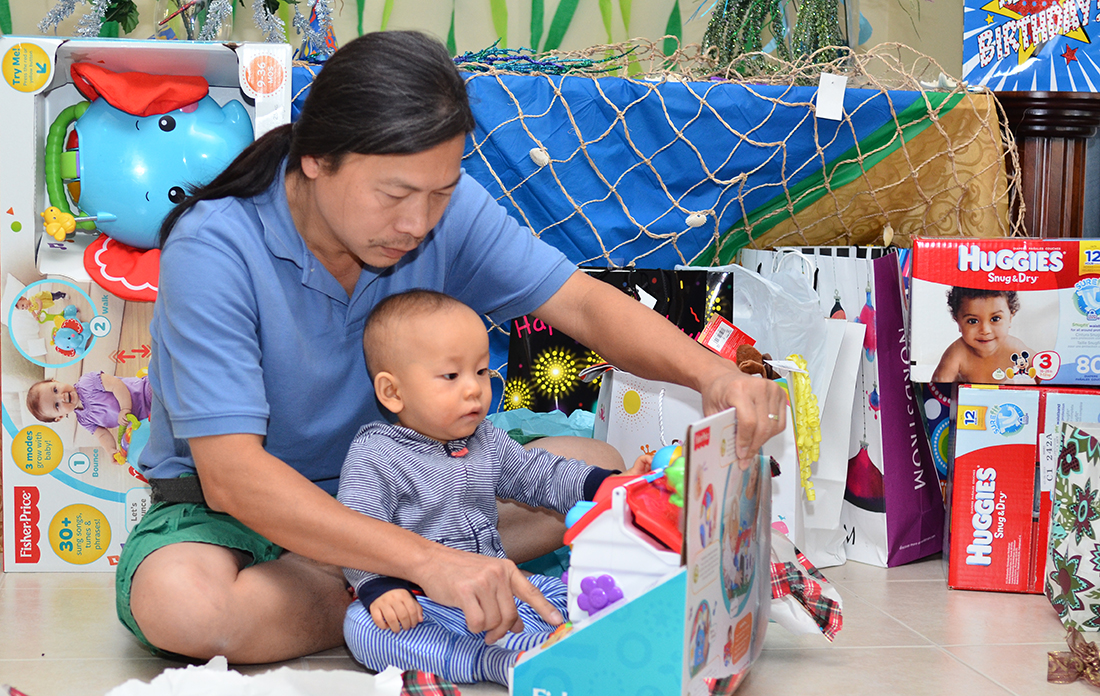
(983,316)
(23,303)
(428,357)
(49,400)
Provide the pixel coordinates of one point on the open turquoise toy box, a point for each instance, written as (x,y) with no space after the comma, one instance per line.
(691,616)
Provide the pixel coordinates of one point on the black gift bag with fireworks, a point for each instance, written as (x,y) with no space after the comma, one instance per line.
(543,363)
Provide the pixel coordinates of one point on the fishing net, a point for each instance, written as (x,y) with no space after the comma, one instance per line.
(675,161)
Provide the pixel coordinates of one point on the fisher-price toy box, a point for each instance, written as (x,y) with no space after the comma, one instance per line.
(66,312)
(689,618)
(1006,311)
(1000,490)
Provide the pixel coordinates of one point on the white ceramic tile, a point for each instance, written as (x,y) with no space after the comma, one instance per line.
(77,677)
(958,617)
(931,568)
(1022,669)
(926,671)
(60,636)
(864,626)
(59,623)
(85,581)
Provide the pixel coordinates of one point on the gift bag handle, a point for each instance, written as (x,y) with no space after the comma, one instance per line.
(808,266)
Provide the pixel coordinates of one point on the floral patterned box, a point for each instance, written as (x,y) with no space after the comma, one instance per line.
(1073,561)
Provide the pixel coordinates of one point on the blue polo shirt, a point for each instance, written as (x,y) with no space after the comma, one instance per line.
(252,334)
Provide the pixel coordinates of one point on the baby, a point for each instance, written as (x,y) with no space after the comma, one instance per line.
(98,400)
(38,305)
(439,472)
(985,352)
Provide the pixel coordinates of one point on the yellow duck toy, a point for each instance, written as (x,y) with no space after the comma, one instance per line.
(59,224)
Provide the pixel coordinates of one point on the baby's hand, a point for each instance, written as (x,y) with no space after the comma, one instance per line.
(124,417)
(396,610)
(643,465)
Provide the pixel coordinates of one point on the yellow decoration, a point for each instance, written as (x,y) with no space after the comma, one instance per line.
(80,534)
(36,450)
(632,402)
(807,424)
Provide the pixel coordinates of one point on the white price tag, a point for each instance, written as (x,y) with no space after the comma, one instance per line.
(830,96)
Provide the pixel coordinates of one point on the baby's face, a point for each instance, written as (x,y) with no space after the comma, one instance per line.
(22,303)
(984,323)
(56,399)
(444,374)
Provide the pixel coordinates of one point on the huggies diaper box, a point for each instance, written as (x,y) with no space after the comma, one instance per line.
(100,138)
(1000,490)
(1006,311)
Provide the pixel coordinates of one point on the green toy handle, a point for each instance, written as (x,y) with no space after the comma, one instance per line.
(55,146)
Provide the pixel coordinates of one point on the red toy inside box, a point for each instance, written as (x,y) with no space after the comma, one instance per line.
(1001,481)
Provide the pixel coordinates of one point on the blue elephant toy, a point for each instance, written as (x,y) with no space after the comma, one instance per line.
(139,144)
(71,337)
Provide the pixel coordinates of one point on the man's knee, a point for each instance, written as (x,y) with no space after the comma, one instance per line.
(182,601)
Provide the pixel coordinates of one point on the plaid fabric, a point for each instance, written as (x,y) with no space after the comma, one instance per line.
(802,584)
(418,683)
(726,685)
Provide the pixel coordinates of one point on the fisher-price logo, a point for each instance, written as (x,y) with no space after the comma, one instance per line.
(702,438)
(26,525)
(972,258)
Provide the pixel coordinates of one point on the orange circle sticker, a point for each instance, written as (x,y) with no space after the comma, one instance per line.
(264,75)
(26,67)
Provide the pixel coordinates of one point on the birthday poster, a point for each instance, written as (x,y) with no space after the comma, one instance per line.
(1032,45)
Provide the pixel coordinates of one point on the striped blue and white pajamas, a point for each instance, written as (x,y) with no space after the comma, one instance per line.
(441,643)
(447,492)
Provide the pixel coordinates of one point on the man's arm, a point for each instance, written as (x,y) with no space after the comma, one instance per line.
(636,339)
(240,478)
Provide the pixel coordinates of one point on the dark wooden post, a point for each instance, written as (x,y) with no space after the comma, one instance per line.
(1052,130)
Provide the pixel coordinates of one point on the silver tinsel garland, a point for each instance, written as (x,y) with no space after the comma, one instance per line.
(57,15)
(91,23)
(273,28)
(315,38)
(216,15)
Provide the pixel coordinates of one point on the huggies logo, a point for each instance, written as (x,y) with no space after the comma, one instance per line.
(26,525)
(985,490)
(972,258)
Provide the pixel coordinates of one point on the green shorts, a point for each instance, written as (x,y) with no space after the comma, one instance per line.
(172,523)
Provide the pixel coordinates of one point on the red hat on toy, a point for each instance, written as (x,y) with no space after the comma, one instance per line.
(140,94)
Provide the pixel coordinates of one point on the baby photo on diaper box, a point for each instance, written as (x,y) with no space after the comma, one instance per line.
(1005,311)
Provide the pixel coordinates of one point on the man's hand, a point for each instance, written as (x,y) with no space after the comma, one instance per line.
(761,408)
(396,610)
(485,589)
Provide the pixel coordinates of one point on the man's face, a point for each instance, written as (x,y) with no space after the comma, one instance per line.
(378,208)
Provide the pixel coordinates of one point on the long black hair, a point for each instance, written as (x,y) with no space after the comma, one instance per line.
(384,93)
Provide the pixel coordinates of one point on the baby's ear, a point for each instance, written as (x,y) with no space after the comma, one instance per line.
(386,389)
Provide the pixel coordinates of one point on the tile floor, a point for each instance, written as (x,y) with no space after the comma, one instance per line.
(904,633)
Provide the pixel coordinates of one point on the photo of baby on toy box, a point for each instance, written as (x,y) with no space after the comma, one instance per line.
(50,323)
